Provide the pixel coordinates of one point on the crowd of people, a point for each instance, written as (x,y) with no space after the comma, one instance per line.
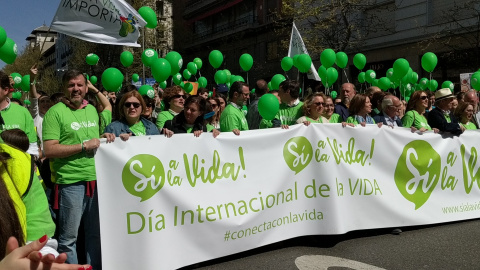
(48,188)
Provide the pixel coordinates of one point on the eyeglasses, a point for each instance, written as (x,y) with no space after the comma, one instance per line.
(179,96)
(214,105)
(150,105)
(330,105)
(129,104)
(423,97)
(319,104)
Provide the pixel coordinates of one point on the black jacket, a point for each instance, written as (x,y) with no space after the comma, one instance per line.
(177,124)
(381,118)
(436,119)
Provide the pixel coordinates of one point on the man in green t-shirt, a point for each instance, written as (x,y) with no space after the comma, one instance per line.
(13,115)
(71,135)
(290,108)
(233,118)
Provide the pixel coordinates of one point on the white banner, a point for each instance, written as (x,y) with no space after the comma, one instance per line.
(103,21)
(298,47)
(172,202)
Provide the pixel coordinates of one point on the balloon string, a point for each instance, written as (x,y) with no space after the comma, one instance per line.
(286,75)
(345,72)
(247,79)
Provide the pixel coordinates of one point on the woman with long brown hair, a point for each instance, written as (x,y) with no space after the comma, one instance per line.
(415,116)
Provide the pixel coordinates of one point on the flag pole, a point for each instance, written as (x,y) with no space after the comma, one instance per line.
(143,48)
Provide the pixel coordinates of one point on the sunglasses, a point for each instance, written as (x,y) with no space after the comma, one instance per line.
(214,105)
(179,96)
(319,104)
(423,97)
(150,105)
(129,104)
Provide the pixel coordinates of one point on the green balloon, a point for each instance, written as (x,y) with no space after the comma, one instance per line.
(389,73)
(202,82)
(112,79)
(177,78)
(17,80)
(359,60)
(475,80)
(215,58)
(304,63)
(287,63)
(413,78)
(93,79)
(238,79)
(126,58)
(198,62)
(295,60)
(163,85)
(269,85)
(148,56)
(149,15)
(400,68)
(175,60)
(268,106)
(432,85)
(332,75)
(8,52)
(3,36)
(423,83)
(448,84)
(429,61)
(25,85)
(333,94)
(384,83)
(186,74)
(361,77)
(161,69)
(341,59)
(375,82)
(192,67)
(370,76)
(135,77)
(220,77)
(27,102)
(277,79)
(188,87)
(144,90)
(92,59)
(322,72)
(229,74)
(246,61)
(17,95)
(327,58)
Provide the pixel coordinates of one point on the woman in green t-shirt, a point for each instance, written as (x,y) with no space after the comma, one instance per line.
(313,107)
(360,109)
(415,117)
(464,114)
(329,111)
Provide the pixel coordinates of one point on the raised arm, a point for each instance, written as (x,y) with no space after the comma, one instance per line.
(103,99)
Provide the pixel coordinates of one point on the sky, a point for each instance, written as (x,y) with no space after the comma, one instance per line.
(20,17)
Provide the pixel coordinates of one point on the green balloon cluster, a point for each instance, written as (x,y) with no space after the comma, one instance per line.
(92,59)
(112,79)
(17,95)
(149,15)
(268,106)
(8,48)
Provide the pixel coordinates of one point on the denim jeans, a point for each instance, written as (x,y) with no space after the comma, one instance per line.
(75,207)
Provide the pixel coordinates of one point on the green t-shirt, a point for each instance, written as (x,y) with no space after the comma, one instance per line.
(71,127)
(16,116)
(352,120)
(106,119)
(232,118)
(138,129)
(286,114)
(335,118)
(413,118)
(164,117)
(306,118)
(469,125)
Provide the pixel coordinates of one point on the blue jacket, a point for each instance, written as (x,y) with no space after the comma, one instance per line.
(119,127)
(342,110)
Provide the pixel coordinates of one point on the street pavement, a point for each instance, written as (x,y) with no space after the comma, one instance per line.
(443,246)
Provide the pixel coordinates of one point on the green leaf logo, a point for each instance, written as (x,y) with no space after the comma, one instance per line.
(417,172)
(297,153)
(143,176)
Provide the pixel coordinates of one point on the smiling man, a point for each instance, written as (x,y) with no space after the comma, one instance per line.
(232,118)
(71,135)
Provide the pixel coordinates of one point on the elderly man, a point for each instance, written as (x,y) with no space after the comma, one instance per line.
(441,116)
(233,118)
(70,137)
(472,98)
(13,115)
(389,115)
(347,93)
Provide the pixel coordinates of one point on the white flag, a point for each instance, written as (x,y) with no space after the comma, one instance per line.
(99,21)
(298,47)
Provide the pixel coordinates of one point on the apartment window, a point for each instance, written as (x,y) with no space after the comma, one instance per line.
(159,6)
(272,50)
